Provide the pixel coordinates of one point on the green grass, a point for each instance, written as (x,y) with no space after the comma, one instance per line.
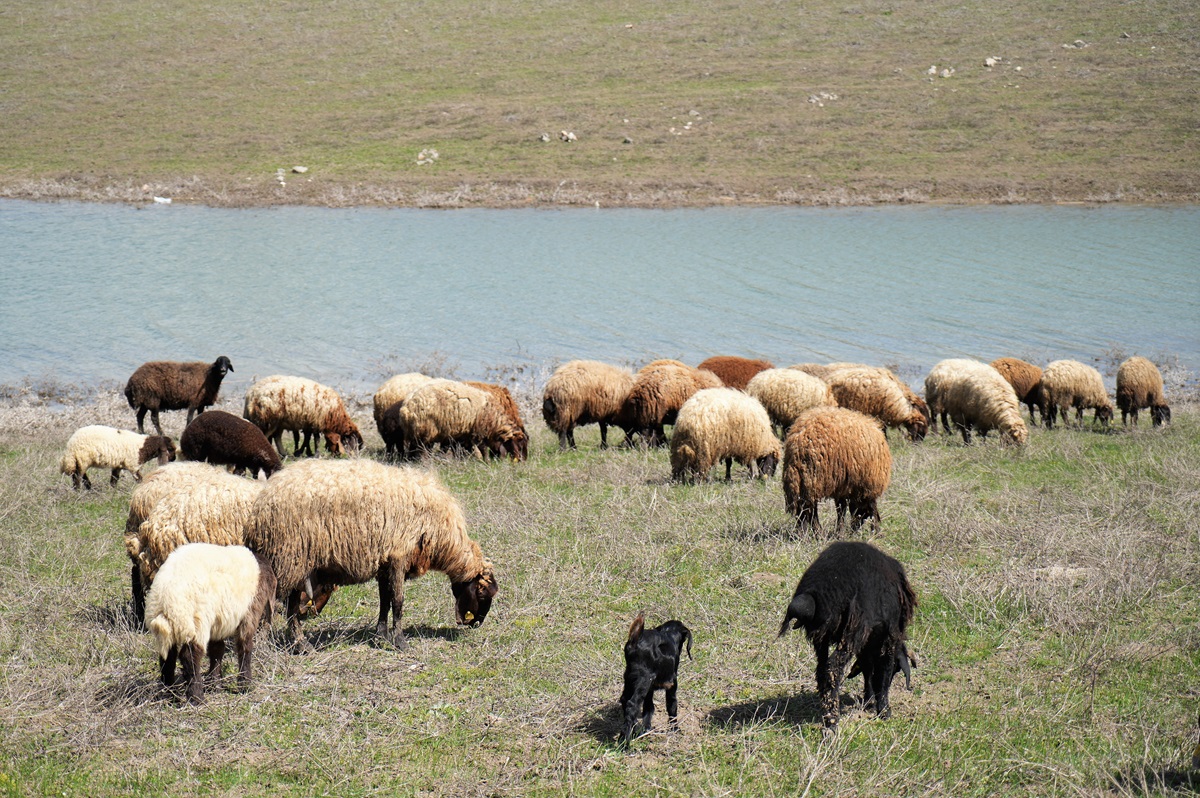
(1058,635)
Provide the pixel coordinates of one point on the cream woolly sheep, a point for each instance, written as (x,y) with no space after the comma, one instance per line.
(348,521)
(840,454)
(1069,383)
(583,392)
(975,395)
(168,385)
(453,415)
(98,446)
(1026,380)
(879,393)
(786,393)
(659,390)
(722,424)
(203,595)
(1140,384)
(396,389)
(735,372)
(503,400)
(279,403)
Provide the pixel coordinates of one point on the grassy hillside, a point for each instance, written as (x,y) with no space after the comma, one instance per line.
(1058,635)
(682,102)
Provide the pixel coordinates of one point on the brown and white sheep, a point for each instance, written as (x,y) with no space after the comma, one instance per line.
(348,521)
(1026,380)
(1070,384)
(503,400)
(880,393)
(786,393)
(98,446)
(454,415)
(722,424)
(976,396)
(659,389)
(582,392)
(170,385)
(279,403)
(222,438)
(840,454)
(1140,384)
(735,372)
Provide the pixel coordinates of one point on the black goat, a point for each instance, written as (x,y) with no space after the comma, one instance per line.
(652,663)
(856,600)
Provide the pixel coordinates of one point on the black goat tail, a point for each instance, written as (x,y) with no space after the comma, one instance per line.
(799,612)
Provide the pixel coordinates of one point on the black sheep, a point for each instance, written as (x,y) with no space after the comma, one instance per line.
(222,438)
(856,600)
(168,385)
(652,663)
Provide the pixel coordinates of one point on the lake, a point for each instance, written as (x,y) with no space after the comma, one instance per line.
(347,296)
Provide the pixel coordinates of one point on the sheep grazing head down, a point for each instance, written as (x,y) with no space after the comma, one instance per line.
(767,465)
(158,447)
(473,598)
(337,444)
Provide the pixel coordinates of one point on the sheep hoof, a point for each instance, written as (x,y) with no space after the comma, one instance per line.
(302,646)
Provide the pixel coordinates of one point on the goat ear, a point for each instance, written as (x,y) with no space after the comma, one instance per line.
(635,629)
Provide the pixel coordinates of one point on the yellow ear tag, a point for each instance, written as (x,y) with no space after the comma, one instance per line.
(470,616)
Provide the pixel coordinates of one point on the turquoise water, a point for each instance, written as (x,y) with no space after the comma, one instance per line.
(345,295)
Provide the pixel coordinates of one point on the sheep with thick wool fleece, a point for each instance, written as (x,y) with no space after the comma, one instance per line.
(204,594)
(1140,384)
(1026,380)
(582,392)
(734,371)
(879,393)
(1070,384)
(722,424)
(974,395)
(98,446)
(452,414)
(659,389)
(279,403)
(396,389)
(224,439)
(786,393)
(502,398)
(348,521)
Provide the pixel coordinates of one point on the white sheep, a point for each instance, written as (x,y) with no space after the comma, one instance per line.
(204,594)
(279,403)
(396,389)
(722,424)
(1069,383)
(98,446)
(975,395)
(786,393)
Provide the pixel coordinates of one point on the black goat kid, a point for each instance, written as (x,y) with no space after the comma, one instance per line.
(652,663)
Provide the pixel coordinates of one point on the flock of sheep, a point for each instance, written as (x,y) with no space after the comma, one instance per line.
(216,549)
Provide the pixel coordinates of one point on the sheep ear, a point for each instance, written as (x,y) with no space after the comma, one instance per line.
(635,629)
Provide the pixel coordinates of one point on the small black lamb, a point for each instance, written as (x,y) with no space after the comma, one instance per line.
(857,600)
(169,385)
(222,438)
(651,663)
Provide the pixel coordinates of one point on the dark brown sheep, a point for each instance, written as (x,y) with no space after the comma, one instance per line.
(735,372)
(169,385)
(222,438)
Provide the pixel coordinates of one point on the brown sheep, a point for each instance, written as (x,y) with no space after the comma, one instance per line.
(1140,384)
(1026,380)
(168,385)
(500,396)
(583,392)
(658,391)
(735,372)
(880,393)
(222,438)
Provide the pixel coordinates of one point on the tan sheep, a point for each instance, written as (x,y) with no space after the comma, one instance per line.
(396,389)
(786,393)
(279,403)
(975,396)
(454,416)
(735,372)
(582,392)
(1026,380)
(840,454)
(349,521)
(98,446)
(1070,384)
(879,393)
(1140,384)
(722,424)
(659,390)
(502,399)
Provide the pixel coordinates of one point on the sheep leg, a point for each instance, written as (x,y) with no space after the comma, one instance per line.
(672,706)
(139,596)
(244,645)
(299,643)
(729,469)
(216,654)
(77,480)
(840,505)
(154,418)
(190,659)
(141,417)
(648,710)
(391,597)
(807,516)
(116,475)
(831,669)
(632,696)
(603,436)
(166,668)
(87,483)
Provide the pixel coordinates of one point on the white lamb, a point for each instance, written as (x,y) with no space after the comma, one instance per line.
(97,446)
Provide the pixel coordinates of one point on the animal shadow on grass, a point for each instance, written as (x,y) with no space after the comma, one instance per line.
(760,531)
(799,709)
(111,617)
(138,689)
(604,725)
(337,634)
(1156,781)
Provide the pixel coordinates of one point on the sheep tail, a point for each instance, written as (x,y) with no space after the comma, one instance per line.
(160,627)
(799,612)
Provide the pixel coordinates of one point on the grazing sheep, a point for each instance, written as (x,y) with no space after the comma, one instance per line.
(454,415)
(392,431)
(503,400)
(652,663)
(658,391)
(203,595)
(583,392)
(879,393)
(397,389)
(222,438)
(1026,380)
(856,600)
(1140,384)
(168,385)
(722,424)
(1069,383)
(97,446)
(347,521)
(279,403)
(735,372)
(840,454)
(975,395)
(786,393)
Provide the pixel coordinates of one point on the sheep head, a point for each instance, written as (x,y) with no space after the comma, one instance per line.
(1160,414)
(157,446)
(767,465)
(473,598)
(1104,414)
(917,426)
(222,365)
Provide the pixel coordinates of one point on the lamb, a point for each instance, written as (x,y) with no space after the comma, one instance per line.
(503,400)
(203,595)
(1069,383)
(1026,380)
(975,395)
(1140,384)
(735,372)
(658,391)
(879,393)
(652,663)
(840,454)
(453,414)
(169,385)
(857,600)
(222,438)
(98,446)
(347,521)
(722,423)
(582,392)
(786,393)
(279,403)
